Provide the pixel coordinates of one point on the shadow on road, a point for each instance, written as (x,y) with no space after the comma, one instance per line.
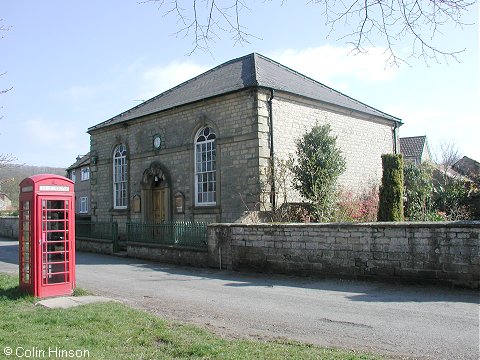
(9,253)
(362,291)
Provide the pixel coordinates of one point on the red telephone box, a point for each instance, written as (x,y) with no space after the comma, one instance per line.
(47,235)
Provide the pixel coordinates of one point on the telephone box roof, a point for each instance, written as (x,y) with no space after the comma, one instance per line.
(253,70)
(42,177)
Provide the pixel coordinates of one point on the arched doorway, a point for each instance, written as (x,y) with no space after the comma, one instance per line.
(156,194)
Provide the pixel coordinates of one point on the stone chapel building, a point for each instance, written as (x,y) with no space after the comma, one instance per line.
(197,152)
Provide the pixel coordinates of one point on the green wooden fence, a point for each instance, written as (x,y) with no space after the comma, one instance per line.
(183,234)
(102,230)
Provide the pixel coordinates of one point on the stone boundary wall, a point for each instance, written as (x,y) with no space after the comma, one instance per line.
(446,252)
(169,254)
(98,246)
(9,227)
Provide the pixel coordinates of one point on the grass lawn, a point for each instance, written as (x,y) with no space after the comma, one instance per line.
(115,331)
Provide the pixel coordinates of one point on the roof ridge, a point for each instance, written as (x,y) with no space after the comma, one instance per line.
(412,137)
(251,70)
(295,72)
(254,56)
(168,91)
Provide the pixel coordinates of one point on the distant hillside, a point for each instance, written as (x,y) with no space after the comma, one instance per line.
(12,175)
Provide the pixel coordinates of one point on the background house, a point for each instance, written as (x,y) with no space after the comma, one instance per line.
(415,149)
(200,150)
(469,168)
(5,202)
(79,172)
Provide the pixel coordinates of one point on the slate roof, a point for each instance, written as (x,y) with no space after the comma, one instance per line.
(253,70)
(468,167)
(81,161)
(412,146)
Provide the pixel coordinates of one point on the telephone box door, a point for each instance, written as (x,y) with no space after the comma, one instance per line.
(26,246)
(56,253)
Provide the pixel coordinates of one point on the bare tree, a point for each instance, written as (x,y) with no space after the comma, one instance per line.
(449,153)
(5,159)
(3,91)
(415,21)
(451,190)
(4,28)
(203,20)
(367,22)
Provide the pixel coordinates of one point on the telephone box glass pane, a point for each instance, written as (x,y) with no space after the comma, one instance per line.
(25,246)
(55,250)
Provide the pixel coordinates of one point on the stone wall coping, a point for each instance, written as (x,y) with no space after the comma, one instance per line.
(404,224)
(164,246)
(84,238)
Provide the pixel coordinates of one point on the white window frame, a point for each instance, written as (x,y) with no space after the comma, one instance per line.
(85,173)
(120,183)
(83,205)
(73,176)
(205,168)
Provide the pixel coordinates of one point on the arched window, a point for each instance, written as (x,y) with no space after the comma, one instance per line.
(120,177)
(205,168)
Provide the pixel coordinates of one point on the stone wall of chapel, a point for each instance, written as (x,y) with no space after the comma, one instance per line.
(232,116)
(361,140)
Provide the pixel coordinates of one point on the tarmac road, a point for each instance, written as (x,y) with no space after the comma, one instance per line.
(397,320)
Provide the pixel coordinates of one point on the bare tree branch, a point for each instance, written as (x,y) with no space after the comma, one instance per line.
(5,159)
(206,19)
(3,91)
(4,28)
(381,23)
(418,21)
(449,153)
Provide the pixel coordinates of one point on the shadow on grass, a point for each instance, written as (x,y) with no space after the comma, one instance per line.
(9,289)
(13,293)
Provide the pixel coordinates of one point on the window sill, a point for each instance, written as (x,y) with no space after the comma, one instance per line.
(119,210)
(207,209)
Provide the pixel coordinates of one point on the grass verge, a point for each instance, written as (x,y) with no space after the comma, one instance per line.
(115,331)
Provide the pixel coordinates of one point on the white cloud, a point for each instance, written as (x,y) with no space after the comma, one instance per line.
(441,125)
(343,70)
(80,94)
(163,77)
(330,64)
(54,141)
(334,66)
(41,131)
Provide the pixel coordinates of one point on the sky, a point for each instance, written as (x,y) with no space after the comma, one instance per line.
(73,64)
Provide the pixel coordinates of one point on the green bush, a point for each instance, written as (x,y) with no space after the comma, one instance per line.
(391,191)
(419,205)
(319,164)
(452,197)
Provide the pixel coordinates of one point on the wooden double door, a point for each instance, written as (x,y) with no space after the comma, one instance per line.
(159,198)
